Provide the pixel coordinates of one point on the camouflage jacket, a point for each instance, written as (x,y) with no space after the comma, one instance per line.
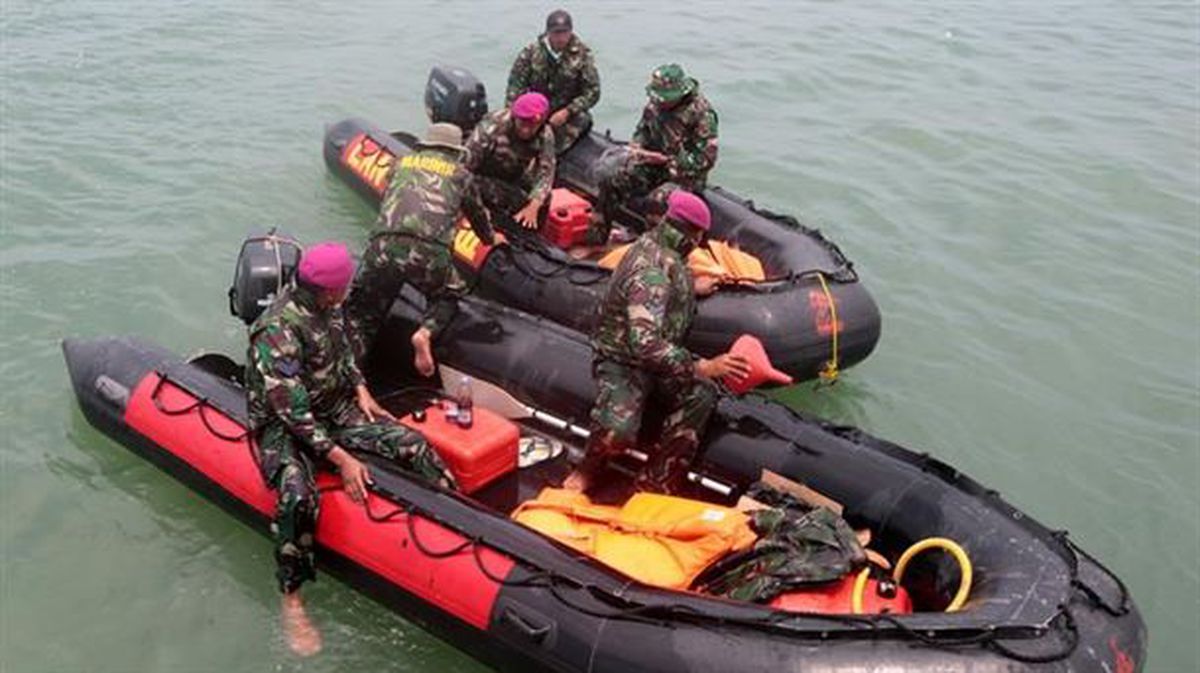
(300,369)
(495,151)
(686,133)
(797,547)
(569,81)
(648,307)
(424,195)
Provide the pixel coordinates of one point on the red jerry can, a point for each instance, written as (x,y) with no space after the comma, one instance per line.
(568,220)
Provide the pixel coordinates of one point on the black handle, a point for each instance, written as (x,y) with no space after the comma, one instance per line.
(532,631)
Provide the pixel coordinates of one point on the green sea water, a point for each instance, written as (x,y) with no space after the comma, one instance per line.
(1017,183)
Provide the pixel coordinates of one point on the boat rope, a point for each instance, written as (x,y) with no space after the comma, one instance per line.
(829,374)
(1124,604)
(578,273)
(200,405)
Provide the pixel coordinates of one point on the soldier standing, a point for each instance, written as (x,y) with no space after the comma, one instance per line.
(560,66)
(638,343)
(510,155)
(673,146)
(411,243)
(310,407)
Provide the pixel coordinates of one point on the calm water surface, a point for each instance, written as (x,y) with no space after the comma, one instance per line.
(1017,182)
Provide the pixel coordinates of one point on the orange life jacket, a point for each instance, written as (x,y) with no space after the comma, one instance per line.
(659,540)
(720,259)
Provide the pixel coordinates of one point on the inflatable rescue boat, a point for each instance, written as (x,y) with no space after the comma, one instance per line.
(785,283)
(1025,597)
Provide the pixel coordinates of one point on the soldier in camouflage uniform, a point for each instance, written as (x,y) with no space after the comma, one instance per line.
(510,156)
(309,407)
(411,243)
(638,342)
(674,146)
(560,66)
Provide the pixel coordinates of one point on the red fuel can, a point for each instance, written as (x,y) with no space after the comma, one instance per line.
(476,456)
(568,220)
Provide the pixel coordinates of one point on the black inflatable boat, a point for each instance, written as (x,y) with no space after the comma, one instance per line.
(808,308)
(519,601)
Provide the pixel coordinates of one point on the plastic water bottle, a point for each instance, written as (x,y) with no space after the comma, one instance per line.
(466,405)
(449,406)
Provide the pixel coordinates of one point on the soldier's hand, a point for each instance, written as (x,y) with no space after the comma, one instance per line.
(371,408)
(527,216)
(559,118)
(355,475)
(705,284)
(651,157)
(726,364)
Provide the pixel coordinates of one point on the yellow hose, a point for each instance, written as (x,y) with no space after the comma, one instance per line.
(949,546)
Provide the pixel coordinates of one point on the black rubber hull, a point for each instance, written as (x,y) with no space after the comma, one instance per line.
(1038,605)
(792,315)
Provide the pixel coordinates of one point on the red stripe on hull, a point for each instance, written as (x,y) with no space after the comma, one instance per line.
(455,584)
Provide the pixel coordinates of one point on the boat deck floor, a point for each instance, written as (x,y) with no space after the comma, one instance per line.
(613,486)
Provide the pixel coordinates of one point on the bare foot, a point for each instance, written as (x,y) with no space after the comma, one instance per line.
(302,636)
(423,356)
(575,482)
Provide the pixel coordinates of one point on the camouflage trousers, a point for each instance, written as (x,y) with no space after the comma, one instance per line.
(390,260)
(566,135)
(617,421)
(490,203)
(289,470)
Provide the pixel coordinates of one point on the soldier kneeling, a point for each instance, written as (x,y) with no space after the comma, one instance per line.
(644,316)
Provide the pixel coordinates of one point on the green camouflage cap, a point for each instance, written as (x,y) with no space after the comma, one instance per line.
(669,83)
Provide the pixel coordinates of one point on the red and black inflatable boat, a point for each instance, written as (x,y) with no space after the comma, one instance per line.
(459,566)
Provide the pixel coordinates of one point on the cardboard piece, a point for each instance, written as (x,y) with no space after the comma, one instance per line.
(801,492)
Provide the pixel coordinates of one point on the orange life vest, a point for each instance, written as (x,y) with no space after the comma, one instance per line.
(720,259)
(659,540)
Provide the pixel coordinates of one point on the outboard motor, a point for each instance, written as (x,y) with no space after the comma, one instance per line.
(265,266)
(456,96)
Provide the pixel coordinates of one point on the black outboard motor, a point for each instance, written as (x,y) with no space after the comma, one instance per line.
(456,96)
(265,266)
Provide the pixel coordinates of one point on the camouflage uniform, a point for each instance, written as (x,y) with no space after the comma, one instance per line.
(300,389)
(687,134)
(644,317)
(568,79)
(411,243)
(506,172)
